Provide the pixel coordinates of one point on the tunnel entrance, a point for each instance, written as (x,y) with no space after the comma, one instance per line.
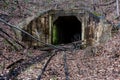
(66,29)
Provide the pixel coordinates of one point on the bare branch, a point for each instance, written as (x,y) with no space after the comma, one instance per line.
(106,4)
(12,38)
(9,42)
(45,66)
(50,45)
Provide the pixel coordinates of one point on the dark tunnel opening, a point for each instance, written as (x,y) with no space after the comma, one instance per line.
(66,29)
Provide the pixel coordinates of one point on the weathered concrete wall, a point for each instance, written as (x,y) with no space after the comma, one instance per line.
(98,32)
(94,30)
(41,26)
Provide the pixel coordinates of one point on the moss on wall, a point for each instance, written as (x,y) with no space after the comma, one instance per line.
(55,37)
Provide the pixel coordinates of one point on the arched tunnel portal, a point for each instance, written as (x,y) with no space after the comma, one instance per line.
(66,29)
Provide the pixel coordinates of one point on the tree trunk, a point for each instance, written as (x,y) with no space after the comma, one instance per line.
(117,8)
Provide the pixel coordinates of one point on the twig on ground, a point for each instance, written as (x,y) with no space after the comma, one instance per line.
(12,38)
(65,66)
(1,54)
(46,64)
(14,63)
(18,68)
(9,42)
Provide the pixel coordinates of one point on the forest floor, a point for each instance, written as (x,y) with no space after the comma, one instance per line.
(104,65)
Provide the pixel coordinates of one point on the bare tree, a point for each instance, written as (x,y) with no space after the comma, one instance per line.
(94,2)
(117,7)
